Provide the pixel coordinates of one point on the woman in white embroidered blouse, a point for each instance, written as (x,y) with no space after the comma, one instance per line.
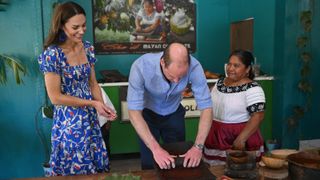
(238,110)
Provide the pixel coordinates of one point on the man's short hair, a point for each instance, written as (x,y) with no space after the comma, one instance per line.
(166,55)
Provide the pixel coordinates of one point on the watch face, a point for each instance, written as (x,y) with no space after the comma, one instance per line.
(199,146)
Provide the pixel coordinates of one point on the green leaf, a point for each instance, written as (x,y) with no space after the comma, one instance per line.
(305,16)
(307,26)
(305,86)
(116,176)
(302,41)
(16,73)
(305,71)
(306,57)
(17,67)
(3,75)
(298,111)
(306,20)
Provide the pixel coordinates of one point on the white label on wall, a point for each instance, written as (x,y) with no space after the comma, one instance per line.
(124,111)
(189,105)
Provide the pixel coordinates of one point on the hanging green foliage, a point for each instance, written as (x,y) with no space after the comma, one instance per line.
(302,41)
(304,85)
(305,20)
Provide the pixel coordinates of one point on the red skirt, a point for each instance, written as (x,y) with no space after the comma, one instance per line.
(221,137)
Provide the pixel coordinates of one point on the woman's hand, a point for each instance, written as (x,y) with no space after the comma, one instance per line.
(239,144)
(251,127)
(138,29)
(104,110)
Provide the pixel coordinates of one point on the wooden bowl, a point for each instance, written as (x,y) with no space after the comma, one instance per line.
(239,157)
(282,153)
(274,163)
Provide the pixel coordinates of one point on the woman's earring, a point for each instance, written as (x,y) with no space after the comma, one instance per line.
(62,36)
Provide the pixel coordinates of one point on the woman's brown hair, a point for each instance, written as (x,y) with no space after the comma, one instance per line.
(62,13)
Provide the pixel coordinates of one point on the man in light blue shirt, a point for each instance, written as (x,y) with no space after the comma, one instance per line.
(156,83)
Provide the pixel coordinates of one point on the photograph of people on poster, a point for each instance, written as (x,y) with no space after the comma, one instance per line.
(141,26)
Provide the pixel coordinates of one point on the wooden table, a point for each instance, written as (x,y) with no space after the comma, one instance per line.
(145,175)
(218,171)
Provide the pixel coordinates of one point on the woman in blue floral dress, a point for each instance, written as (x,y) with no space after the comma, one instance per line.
(68,66)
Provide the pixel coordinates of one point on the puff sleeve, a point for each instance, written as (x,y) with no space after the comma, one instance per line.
(49,61)
(90,53)
(255,99)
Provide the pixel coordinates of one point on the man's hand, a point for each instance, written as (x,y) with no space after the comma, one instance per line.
(163,159)
(192,158)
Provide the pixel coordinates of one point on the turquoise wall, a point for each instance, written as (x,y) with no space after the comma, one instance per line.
(278,69)
(212,34)
(313,117)
(21,36)
(263,13)
(288,68)
(287,71)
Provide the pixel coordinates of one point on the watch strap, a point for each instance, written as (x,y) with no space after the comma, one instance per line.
(199,146)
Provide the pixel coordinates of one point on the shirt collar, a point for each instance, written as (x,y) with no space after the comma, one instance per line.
(159,70)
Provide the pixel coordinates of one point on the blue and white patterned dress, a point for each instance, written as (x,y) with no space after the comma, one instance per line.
(77,144)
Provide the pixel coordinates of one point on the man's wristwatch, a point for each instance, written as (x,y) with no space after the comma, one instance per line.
(199,146)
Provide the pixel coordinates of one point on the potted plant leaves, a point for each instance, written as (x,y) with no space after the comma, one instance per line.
(15,64)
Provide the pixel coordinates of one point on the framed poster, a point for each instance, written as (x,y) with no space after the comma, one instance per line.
(141,26)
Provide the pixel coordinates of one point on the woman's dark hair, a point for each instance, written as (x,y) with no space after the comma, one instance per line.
(62,13)
(148,1)
(246,58)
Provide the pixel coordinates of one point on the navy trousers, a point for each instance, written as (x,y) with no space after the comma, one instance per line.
(170,128)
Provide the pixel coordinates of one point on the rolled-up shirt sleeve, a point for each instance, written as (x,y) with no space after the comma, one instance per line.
(200,88)
(135,95)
